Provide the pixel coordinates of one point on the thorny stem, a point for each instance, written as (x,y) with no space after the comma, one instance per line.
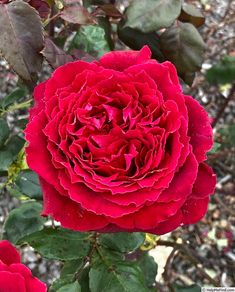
(183,248)
(89,255)
(228,99)
(22,105)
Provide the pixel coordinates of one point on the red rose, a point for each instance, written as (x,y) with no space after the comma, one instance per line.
(119,147)
(14,276)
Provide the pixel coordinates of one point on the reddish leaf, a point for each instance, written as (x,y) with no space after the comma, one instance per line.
(41,6)
(55,55)
(183,45)
(110,10)
(74,12)
(81,55)
(190,13)
(21,38)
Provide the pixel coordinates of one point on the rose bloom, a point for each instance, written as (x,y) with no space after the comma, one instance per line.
(119,147)
(14,276)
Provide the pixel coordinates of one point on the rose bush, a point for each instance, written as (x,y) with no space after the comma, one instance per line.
(119,147)
(14,276)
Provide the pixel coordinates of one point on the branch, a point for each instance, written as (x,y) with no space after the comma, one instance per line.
(186,251)
(221,111)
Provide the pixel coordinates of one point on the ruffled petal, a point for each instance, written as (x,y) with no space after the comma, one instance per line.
(69,213)
(120,60)
(199,128)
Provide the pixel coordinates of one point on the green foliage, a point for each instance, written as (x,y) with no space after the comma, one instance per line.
(91,39)
(116,276)
(122,242)
(72,287)
(151,15)
(191,288)
(149,268)
(9,151)
(12,98)
(27,183)
(4,133)
(223,72)
(60,244)
(67,275)
(23,221)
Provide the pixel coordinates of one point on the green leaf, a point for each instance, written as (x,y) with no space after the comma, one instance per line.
(192,14)
(136,40)
(151,15)
(27,183)
(60,244)
(12,98)
(67,274)
(84,280)
(182,45)
(72,287)
(4,131)
(70,268)
(23,221)
(9,152)
(116,277)
(91,39)
(191,288)
(149,268)
(123,242)
(223,72)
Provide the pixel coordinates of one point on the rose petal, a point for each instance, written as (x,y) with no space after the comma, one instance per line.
(205,182)
(167,226)
(11,282)
(120,60)
(194,209)
(73,216)
(31,283)
(199,128)
(8,253)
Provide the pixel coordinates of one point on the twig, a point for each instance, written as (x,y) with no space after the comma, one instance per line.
(223,205)
(227,10)
(186,251)
(88,258)
(167,269)
(221,111)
